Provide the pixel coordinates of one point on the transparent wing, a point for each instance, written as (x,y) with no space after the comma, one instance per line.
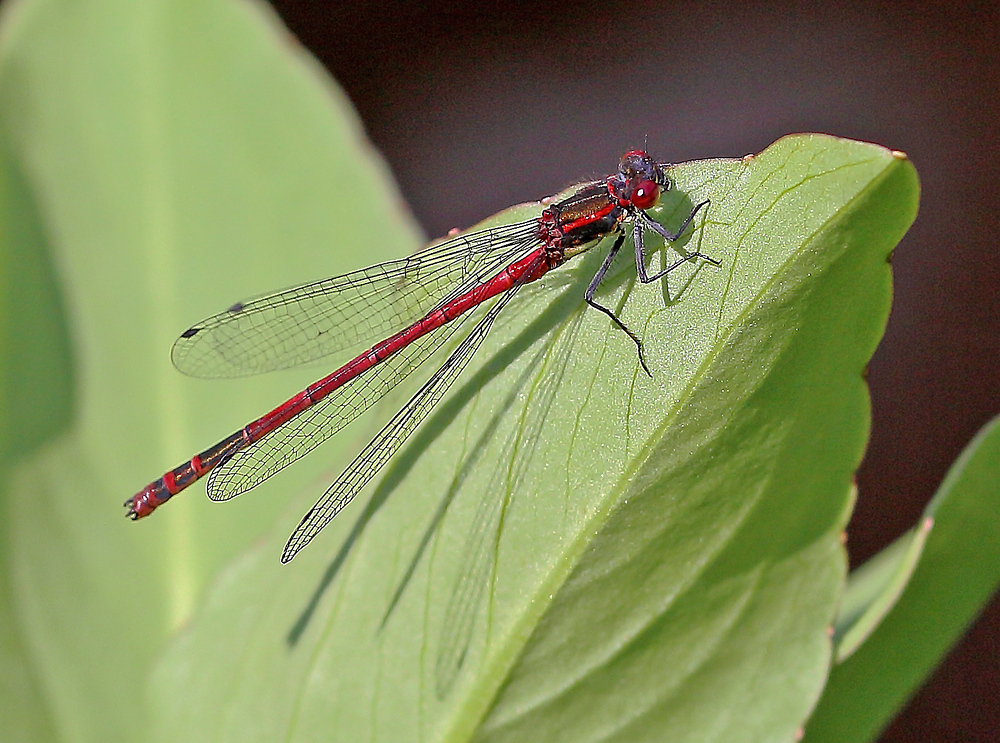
(344,313)
(249,467)
(389,439)
(479,554)
(478,563)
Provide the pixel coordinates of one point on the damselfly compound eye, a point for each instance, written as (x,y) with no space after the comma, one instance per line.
(645,194)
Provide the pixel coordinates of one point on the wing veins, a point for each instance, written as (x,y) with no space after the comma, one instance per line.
(351,311)
(380,449)
(254,464)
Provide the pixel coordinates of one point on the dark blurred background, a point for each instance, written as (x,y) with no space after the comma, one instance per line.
(482,106)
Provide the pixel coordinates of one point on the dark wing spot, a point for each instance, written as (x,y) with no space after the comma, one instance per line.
(190,332)
(238,307)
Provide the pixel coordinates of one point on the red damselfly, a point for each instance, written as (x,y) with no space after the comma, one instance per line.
(401,302)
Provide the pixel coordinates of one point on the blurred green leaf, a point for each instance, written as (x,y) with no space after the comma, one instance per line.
(957,572)
(36,376)
(35,394)
(181,156)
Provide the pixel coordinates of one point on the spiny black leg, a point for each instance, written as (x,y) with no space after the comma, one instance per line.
(644,220)
(684,225)
(589,296)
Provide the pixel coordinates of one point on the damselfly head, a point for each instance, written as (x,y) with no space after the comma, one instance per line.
(639,180)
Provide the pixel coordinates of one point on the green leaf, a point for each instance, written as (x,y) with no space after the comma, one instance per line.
(874,588)
(566,550)
(569,550)
(956,573)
